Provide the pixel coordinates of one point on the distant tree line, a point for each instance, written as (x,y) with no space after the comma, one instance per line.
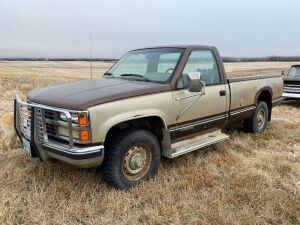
(225,59)
(262,59)
(54,59)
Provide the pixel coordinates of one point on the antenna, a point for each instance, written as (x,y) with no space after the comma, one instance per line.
(91,55)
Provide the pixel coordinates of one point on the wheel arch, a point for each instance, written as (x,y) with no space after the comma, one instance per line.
(265,94)
(154,123)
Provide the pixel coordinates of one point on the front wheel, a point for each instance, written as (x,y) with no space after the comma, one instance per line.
(131,157)
(258,122)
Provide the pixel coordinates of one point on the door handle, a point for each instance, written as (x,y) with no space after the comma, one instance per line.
(222,93)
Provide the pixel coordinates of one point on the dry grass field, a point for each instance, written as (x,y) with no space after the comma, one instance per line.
(249,179)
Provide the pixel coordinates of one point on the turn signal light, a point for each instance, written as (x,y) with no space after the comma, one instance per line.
(82,119)
(84,135)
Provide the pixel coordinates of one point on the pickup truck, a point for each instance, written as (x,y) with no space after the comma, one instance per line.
(160,101)
(291,86)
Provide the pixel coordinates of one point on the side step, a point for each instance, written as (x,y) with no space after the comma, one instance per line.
(189,145)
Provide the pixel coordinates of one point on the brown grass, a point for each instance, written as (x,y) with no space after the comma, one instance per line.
(250,179)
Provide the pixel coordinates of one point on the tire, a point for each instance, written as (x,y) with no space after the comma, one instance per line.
(258,122)
(132,156)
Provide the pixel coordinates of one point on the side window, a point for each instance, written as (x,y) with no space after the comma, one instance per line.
(204,62)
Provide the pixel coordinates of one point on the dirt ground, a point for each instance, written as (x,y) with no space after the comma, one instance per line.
(249,179)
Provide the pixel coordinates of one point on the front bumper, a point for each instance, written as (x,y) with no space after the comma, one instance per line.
(291,95)
(86,157)
(30,124)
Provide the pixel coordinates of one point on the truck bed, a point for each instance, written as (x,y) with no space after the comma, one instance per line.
(245,90)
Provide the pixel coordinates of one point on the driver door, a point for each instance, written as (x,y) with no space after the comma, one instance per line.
(198,113)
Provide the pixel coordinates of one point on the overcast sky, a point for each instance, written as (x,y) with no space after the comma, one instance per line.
(61,28)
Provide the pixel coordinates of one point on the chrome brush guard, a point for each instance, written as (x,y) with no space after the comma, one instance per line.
(24,120)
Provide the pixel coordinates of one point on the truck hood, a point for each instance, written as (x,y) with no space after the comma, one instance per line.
(291,79)
(80,95)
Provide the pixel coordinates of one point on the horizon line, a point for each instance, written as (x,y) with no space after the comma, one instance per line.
(107,59)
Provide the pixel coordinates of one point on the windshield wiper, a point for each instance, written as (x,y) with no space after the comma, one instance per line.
(134,75)
(108,74)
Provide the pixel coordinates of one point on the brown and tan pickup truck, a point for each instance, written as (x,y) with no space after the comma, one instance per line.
(161,101)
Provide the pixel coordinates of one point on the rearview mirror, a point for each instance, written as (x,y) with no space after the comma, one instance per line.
(196,85)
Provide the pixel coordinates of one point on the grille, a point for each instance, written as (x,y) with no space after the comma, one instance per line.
(49,114)
(51,128)
(292,88)
(43,128)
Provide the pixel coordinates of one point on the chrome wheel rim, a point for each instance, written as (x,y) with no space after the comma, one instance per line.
(137,162)
(260,119)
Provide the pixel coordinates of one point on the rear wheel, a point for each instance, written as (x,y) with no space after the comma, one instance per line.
(132,156)
(258,122)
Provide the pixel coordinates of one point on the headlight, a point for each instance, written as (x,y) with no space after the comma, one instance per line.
(74,116)
(82,120)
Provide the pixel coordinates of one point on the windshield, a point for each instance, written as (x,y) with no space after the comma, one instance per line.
(294,71)
(154,65)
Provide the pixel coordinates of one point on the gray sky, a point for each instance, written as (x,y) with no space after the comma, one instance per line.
(61,28)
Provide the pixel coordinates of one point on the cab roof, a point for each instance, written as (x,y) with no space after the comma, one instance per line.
(180,46)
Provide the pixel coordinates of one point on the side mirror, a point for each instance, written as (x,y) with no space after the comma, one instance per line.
(196,85)
(282,73)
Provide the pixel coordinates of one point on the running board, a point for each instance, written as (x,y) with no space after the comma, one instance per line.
(192,144)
